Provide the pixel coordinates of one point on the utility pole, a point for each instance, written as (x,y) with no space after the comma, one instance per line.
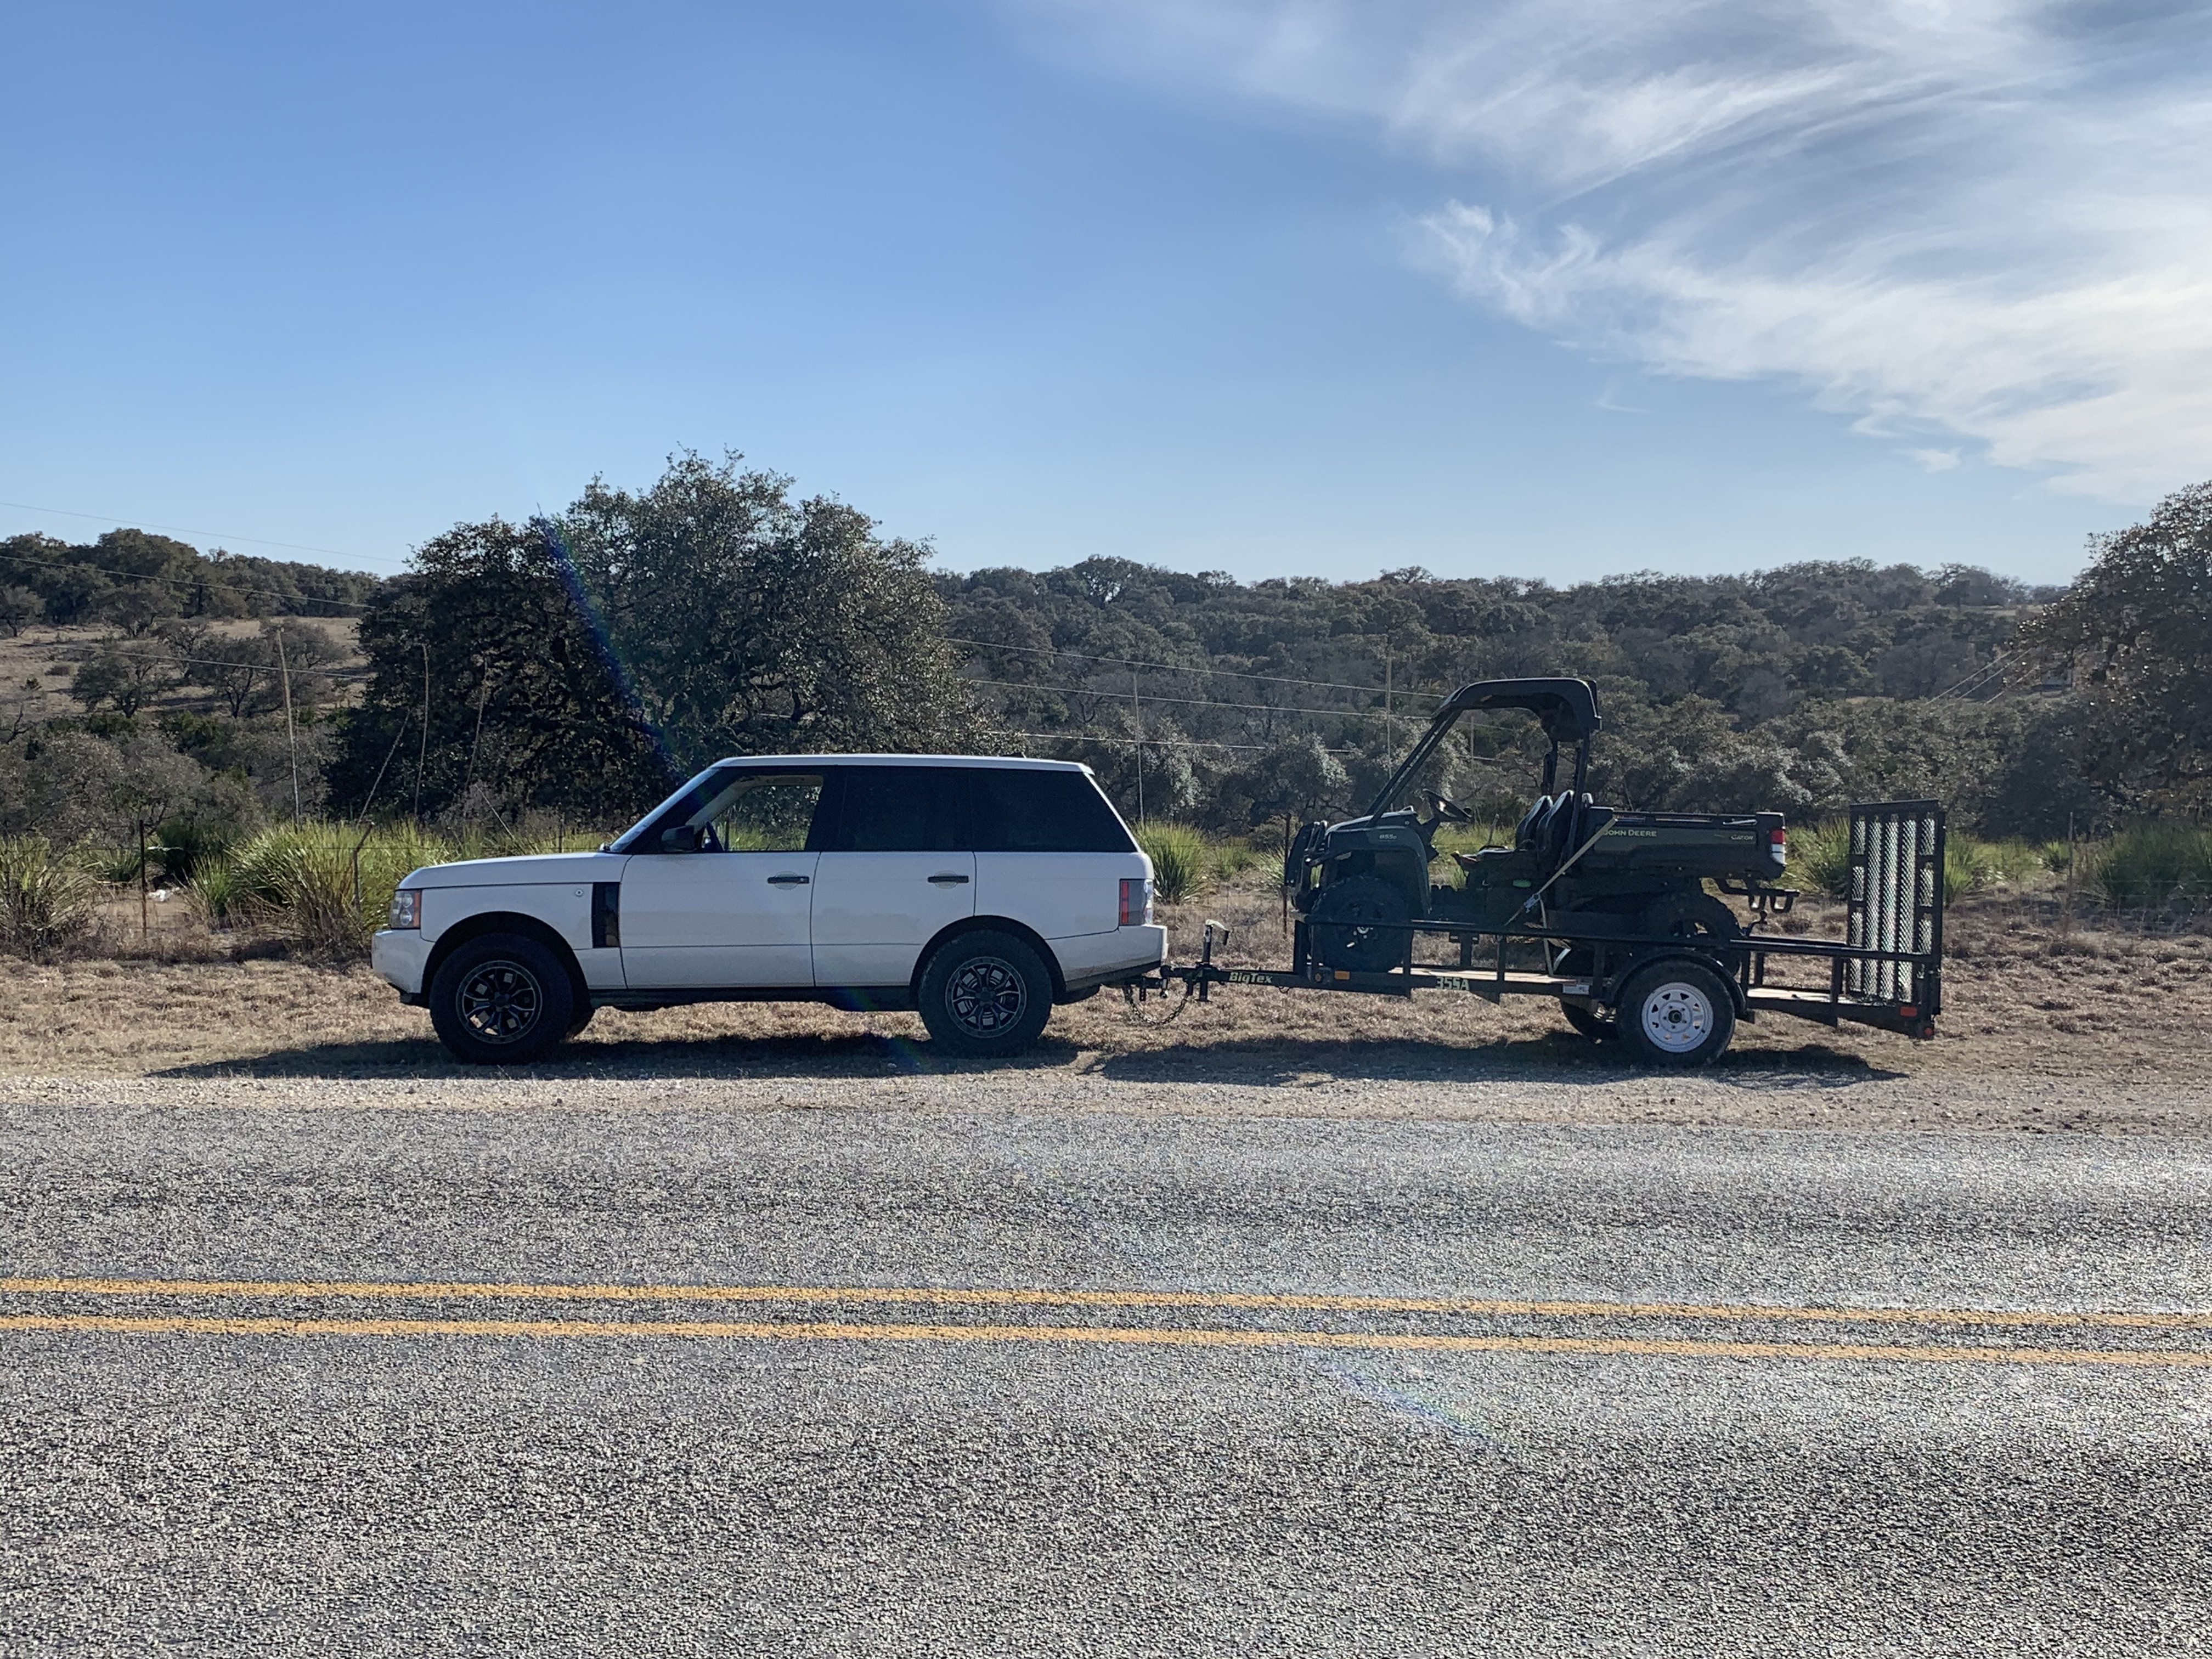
(469,784)
(1136,712)
(1389,731)
(291,731)
(423,754)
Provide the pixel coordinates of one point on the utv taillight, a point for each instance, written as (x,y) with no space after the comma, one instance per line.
(1136,902)
(407,908)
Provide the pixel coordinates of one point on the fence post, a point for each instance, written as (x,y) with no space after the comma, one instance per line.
(291,731)
(145,922)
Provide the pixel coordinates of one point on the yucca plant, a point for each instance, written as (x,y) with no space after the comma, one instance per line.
(47,900)
(217,892)
(2163,861)
(1179,858)
(1820,858)
(329,885)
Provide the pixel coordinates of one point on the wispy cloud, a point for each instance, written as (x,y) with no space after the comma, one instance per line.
(1983,220)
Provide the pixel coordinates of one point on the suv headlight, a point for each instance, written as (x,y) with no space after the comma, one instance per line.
(407,908)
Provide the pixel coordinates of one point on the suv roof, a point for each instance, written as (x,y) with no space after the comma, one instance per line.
(903,760)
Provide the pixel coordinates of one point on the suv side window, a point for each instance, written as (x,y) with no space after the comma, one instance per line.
(1018,811)
(737,810)
(900,809)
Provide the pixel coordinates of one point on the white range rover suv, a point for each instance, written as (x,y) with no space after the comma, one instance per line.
(978,891)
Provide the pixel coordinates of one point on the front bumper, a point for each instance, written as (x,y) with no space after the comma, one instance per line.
(400,954)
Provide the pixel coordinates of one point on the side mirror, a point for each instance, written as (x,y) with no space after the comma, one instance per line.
(682,838)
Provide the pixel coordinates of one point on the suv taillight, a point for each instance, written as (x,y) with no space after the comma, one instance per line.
(1136,902)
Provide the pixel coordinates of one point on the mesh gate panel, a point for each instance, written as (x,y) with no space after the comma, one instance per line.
(1896,903)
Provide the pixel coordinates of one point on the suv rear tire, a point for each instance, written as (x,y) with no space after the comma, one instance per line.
(1675,1013)
(503,999)
(985,996)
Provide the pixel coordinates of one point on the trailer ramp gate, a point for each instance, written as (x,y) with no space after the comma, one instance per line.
(1886,971)
(1896,905)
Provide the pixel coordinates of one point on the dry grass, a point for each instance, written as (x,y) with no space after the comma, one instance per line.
(2025,997)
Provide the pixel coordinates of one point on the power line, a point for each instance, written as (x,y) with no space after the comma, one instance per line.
(1200,702)
(1177,668)
(1975,681)
(177,530)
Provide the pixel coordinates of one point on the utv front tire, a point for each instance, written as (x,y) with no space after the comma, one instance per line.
(1675,1013)
(1360,925)
(985,996)
(502,999)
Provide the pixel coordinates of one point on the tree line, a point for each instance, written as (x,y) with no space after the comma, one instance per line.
(581,662)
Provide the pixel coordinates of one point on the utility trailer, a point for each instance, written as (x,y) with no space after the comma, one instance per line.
(1672,999)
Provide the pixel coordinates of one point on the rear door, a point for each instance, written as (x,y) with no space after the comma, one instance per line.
(736,913)
(894,871)
(1050,851)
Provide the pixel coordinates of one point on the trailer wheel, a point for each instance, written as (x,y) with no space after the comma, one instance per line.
(1676,1013)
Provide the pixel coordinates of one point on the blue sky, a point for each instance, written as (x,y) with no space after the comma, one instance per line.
(1267,286)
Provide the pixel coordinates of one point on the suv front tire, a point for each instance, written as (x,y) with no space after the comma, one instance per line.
(503,999)
(984,994)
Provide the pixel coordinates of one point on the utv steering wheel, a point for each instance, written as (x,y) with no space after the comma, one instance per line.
(1447,810)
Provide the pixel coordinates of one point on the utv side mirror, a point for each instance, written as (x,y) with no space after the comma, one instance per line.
(682,838)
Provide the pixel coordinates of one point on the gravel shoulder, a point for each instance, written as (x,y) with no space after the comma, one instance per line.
(2044,1028)
(1179,1086)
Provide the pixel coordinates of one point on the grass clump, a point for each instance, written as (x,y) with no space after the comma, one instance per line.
(1820,859)
(47,900)
(1233,857)
(1180,859)
(2161,863)
(327,886)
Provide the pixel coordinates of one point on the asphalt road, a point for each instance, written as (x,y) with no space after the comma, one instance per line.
(1244,1385)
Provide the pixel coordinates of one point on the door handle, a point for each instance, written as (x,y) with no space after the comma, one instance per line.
(949,881)
(788,881)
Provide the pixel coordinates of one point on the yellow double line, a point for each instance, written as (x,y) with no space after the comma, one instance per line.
(1155,1336)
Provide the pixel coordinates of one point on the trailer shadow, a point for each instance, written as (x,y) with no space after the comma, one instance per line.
(1554,1058)
(1265,1062)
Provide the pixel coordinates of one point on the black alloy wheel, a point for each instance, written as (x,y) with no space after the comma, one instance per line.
(985,996)
(502,999)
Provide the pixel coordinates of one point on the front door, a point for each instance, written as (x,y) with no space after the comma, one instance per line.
(893,873)
(728,904)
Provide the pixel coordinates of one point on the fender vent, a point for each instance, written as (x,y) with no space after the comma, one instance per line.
(606,914)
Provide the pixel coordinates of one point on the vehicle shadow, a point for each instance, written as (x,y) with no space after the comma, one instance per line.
(1556,1057)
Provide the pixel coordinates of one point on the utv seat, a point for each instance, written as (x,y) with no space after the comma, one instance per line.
(1528,834)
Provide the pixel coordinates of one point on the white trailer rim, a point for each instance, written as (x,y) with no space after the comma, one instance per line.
(1677,1018)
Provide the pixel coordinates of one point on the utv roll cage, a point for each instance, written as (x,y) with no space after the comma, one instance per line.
(1565,709)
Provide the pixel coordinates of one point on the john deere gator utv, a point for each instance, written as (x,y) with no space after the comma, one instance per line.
(1607,911)
(1573,866)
